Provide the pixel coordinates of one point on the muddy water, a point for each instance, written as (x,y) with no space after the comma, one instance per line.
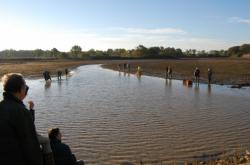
(110,118)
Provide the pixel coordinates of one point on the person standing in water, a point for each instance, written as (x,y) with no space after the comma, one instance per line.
(170,72)
(46,75)
(166,73)
(128,65)
(124,67)
(59,75)
(209,75)
(139,71)
(119,67)
(66,72)
(197,75)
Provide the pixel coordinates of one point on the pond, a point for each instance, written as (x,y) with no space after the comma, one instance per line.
(109,117)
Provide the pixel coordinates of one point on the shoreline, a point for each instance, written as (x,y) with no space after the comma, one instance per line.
(183,70)
(234,72)
(33,69)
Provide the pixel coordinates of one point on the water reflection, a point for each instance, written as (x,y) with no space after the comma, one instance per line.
(168,82)
(187,83)
(138,77)
(125,74)
(127,163)
(209,89)
(197,88)
(47,84)
(59,82)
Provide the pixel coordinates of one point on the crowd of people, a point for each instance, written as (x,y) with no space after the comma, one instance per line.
(126,67)
(197,75)
(20,143)
(47,77)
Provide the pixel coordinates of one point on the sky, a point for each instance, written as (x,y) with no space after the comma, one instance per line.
(103,24)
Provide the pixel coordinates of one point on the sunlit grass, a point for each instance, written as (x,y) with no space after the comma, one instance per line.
(225,71)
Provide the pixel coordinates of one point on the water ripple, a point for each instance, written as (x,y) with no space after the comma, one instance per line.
(109,118)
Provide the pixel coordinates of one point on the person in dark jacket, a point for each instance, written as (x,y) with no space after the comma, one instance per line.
(66,72)
(209,75)
(197,75)
(18,140)
(46,75)
(61,151)
(59,75)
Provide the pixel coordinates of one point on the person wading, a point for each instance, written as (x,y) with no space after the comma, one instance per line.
(209,75)
(197,75)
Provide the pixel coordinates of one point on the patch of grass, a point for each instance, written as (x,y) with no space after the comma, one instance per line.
(225,71)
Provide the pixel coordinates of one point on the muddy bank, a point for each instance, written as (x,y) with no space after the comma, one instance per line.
(225,71)
(32,68)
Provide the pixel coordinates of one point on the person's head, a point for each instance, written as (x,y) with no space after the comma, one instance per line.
(54,133)
(14,83)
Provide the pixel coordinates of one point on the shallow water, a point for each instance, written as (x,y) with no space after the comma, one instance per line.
(110,118)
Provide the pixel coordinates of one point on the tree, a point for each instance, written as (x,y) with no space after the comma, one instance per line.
(55,52)
(38,53)
(153,52)
(120,52)
(64,55)
(245,49)
(234,51)
(193,52)
(91,52)
(140,51)
(178,52)
(76,50)
(110,52)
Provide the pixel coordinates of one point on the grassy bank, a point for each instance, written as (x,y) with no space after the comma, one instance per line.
(35,67)
(225,70)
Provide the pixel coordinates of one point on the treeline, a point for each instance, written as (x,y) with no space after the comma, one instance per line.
(239,51)
(139,52)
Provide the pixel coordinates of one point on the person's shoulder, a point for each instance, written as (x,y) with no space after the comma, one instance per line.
(10,104)
(14,108)
(65,145)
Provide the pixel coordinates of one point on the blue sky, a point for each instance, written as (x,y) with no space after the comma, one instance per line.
(103,24)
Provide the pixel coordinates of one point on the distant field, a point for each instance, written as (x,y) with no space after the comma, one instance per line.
(226,71)
(35,68)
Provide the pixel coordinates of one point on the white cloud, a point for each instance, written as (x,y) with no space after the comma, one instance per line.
(29,37)
(202,43)
(25,36)
(130,42)
(239,20)
(155,31)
